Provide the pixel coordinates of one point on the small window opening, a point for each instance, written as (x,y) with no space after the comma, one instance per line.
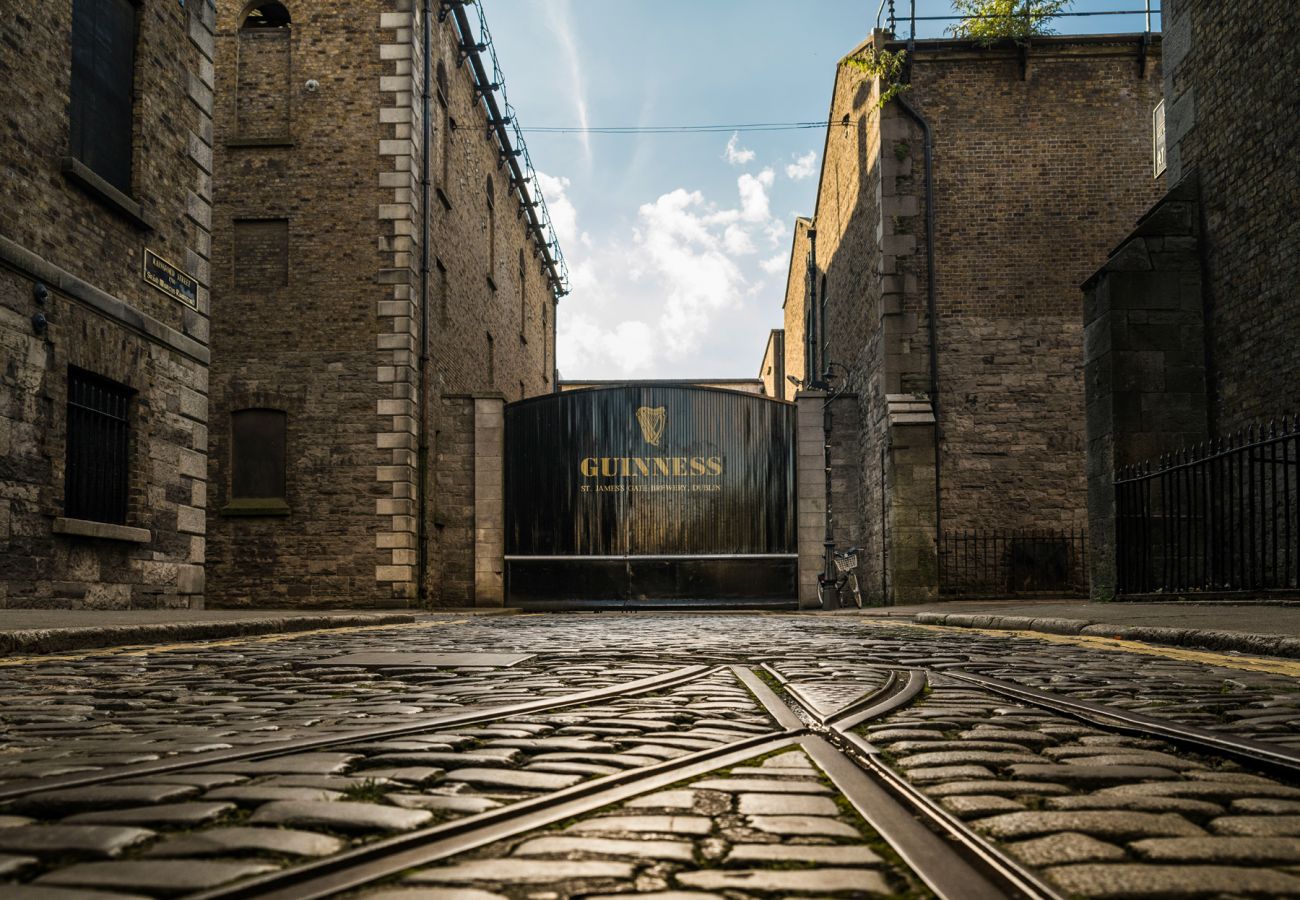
(267,15)
(257,455)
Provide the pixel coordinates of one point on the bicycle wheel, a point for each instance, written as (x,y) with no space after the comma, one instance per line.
(857,592)
(823,589)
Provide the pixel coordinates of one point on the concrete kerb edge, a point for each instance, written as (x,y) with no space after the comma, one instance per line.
(58,640)
(1197,639)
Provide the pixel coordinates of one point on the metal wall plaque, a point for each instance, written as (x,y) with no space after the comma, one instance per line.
(169,279)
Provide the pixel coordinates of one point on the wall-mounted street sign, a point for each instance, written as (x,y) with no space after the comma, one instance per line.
(169,279)
(650,495)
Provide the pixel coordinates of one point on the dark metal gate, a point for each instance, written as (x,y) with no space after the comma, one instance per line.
(650,496)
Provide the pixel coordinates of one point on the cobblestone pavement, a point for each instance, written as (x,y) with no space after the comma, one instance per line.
(548,757)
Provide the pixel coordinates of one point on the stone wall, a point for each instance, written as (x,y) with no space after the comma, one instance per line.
(1038,165)
(794,307)
(65,231)
(772,370)
(1144,352)
(1035,177)
(347,344)
(452,569)
(1229,89)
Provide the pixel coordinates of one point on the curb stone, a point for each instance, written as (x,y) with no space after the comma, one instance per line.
(1234,641)
(57,640)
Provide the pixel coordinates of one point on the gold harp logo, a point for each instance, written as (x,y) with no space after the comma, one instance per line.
(652,423)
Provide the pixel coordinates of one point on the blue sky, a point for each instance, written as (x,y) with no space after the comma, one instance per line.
(679,243)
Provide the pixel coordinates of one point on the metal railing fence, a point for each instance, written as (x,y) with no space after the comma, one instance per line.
(993,562)
(1223,516)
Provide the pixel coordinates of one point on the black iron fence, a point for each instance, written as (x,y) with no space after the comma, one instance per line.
(999,563)
(1221,516)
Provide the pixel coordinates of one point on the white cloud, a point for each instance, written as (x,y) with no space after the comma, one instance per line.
(563,216)
(690,273)
(737,241)
(803,166)
(581,343)
(735,154)
(754,206)
(561,25)
(774,264)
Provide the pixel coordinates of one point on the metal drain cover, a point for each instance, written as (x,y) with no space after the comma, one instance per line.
(388,659)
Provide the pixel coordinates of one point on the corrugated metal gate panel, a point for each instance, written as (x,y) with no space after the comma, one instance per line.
(710,476)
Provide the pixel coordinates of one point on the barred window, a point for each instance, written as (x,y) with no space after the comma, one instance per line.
(101,95)
(96,479)
(257,464)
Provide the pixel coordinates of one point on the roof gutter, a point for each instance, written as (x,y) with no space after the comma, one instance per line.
(471,51)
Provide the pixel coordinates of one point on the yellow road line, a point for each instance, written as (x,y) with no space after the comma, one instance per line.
(1271,665)
(148,649)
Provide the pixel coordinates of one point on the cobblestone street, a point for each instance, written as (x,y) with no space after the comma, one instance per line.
(592,755)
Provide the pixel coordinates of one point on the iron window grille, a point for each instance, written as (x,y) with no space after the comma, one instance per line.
(97,479)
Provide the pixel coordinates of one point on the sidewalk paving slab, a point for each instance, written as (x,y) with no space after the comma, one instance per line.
(41,631)
(1254,628)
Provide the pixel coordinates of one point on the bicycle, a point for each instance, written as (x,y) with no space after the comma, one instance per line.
(846,565)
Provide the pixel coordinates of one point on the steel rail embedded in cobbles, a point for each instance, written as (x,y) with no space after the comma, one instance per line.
(1243,750)
(955,862)
(172,764)
(383,859)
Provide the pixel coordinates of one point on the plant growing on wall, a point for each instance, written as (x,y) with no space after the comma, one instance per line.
(989,21)
(882,64)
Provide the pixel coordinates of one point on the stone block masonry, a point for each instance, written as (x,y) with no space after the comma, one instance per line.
(72,250)
(1039,163)
(1191,325)
(1229,89)
(375,320)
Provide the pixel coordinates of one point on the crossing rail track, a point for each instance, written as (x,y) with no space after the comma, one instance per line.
(950,858)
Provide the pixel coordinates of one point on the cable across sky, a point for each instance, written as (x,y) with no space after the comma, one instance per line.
(675,129)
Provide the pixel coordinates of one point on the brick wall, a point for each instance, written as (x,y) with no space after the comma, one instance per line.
(1037,171)
(86,246)
(338,344)
(1230,120)
(1035,179)
(794,307)
(452,568)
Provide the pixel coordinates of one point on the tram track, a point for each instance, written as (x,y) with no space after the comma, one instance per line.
(952,861)
(180,763)
(1258,754)
(942,851)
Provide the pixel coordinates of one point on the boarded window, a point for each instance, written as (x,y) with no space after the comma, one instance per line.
(491,191)
(97,475)
(261,258)
(257,445)
(101,115)
(264,74)
(444,290)
(444,144)
(523,297)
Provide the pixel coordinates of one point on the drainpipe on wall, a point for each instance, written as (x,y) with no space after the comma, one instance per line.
(932,315)
(422,430)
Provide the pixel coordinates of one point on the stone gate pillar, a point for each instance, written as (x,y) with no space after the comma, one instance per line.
(810,488)
(1144,361)
(489,501)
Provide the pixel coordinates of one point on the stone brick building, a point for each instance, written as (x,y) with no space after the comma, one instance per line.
(1192,323)
(795,309)
(1038,159)
(105,144)
(381,263)
(772,370)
